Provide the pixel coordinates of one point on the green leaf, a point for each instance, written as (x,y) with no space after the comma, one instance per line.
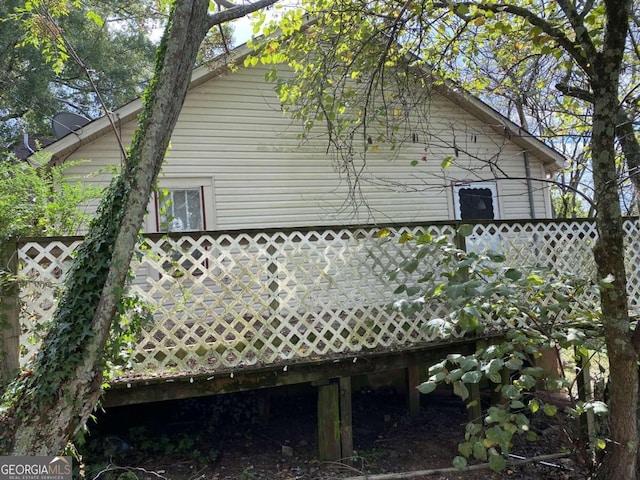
(607,282)
(513,274)
(459,462)
(494,367)
(495,256)
(427,387)
(549,409)
(465,229)
(455,375)
(411,266)
(534,405)
(447,162)
(510,391)
(469,363)
(513,364)
(411,291)
(479,451)
(465,449)
(497,463)
(95,18)
(472,377)
(460,390)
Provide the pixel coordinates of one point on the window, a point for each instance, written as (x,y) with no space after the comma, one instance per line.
(476,201)
(182,204)
(180,210)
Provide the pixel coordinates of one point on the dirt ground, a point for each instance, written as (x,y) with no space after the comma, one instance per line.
(222,438)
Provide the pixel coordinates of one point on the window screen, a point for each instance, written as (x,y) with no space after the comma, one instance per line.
(476,204)
(180,210)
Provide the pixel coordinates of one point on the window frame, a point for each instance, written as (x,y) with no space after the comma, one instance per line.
(492,186)
(206,187)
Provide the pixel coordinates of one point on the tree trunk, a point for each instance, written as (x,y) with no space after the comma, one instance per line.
(48,407)
(620,461)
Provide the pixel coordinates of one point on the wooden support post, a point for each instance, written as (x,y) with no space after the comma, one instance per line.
(474,406)
(9,312)
(413,395)
(459,240)
(346,419)
(550,363)
(496,390)
(264,405)
(329,422)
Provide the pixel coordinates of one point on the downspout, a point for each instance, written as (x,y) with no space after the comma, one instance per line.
(527,171)
(25,141)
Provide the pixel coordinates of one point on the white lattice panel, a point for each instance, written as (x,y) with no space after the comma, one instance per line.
(221,301)
(42,269)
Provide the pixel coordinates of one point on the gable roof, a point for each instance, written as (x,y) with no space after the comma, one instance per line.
(551,158)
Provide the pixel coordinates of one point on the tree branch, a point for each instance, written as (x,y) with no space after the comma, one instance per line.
(558,35)
(235,11)
(577,23)
(575,92)
(435,471)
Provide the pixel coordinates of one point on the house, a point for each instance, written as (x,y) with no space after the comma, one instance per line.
(236,161)
(268,277)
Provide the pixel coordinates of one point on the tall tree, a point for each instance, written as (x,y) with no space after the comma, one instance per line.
(116,48)
(354,66)
(45,407)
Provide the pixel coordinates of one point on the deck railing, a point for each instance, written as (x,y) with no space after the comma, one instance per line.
(224,300)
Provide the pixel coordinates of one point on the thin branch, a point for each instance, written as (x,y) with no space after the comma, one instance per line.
(57,32)
(558,35)
(435,471)
(128,469)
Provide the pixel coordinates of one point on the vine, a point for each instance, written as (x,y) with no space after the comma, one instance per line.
(64,346)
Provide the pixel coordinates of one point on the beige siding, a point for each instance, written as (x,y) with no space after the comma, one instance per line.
(233,135)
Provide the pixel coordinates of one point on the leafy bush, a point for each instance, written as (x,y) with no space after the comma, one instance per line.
(516,313)
(40,200)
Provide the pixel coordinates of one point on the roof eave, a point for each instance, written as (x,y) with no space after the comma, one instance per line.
(552,159)
(68,144)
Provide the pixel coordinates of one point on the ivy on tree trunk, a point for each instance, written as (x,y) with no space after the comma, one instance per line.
(45,407)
